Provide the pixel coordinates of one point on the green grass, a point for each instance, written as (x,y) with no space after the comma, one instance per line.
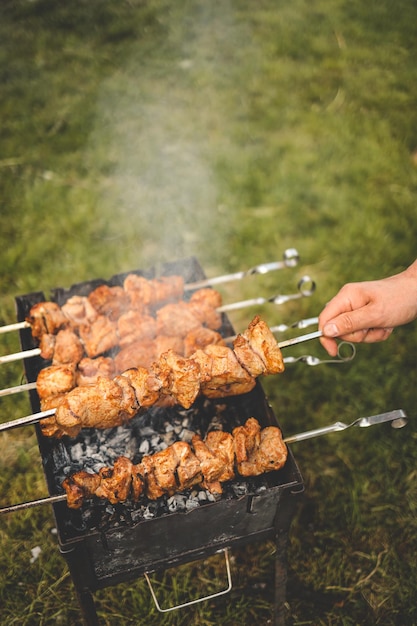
(137,132)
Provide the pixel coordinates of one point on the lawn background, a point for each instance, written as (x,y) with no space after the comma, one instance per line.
(137,132)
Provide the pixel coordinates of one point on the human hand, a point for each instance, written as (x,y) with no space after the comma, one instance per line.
(369,311)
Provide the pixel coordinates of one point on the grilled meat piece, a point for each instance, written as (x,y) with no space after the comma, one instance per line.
(88,370)
(211,466)
(221,445)
(258,451)
(188,468)
(134,326)
(147,294)
(170,470)
(199,338)
(64,347)
(164,465)
(115,482)
(99,337)
(108,403)
(147,469)
(203,304)
(144,352)
(145,384)
(110,301)
(216,456)
(138,354)
(249,359)
(263,343)
(272,451)
(46,317)
(227,377)
(79,311)
(55,380)
(47,346)
(180,377)
(79,486)
(181,318)
(247,439)
(176,319)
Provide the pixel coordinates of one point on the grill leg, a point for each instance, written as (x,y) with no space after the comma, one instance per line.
(87,606)
(84,580)
(281,539)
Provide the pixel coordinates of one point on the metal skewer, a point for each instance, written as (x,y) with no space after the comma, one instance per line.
(17,326)
(309,360)
(36,417)
(12,390)
(306,287)
(16,356)
(398,419)
(290,259)
(292,342)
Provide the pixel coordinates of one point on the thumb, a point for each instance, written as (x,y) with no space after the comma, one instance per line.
(345,324)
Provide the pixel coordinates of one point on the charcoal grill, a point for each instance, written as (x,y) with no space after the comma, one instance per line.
(120,546)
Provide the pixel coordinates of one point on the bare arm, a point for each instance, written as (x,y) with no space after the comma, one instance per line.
(369,311)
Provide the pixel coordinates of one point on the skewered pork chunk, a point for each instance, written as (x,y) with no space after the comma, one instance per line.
(145,352)
(47,346)
(171,470)
(180,318)
(272,452)
(180,377)
(246,440)
(99,337)
(46,317)
(110,301)
(262,343)
(227,377)
(258,451)
(63,348)
(203,304)
(153,488)
(108,403)
(221,444)
(188,468)
(77,485)
(201,337)
(134,326)
(211,465)
(176,319)
(146,385)
(115,482)
(88,370)
(55,380)
(138,354)
(216,456)
(79,311)
(147,294)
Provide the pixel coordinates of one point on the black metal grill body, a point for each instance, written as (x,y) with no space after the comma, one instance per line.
(116,553)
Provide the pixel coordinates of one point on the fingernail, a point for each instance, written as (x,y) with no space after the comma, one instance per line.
(330,330)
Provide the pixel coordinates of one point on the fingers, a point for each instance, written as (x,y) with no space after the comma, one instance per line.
(371,335)
(329,345)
